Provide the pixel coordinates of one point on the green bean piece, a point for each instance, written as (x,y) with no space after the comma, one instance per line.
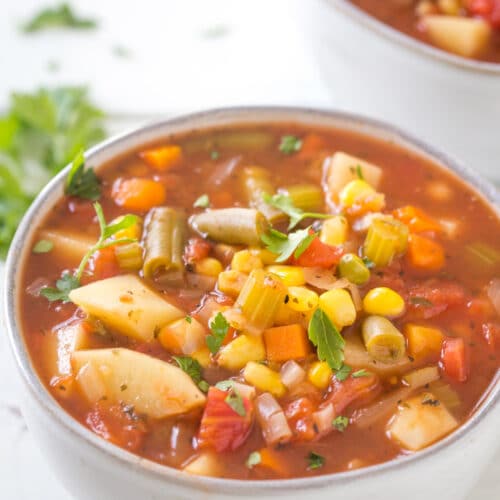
(234,226)
(307,197)
(353,268)
(257,182)
(164,241)
(383,341)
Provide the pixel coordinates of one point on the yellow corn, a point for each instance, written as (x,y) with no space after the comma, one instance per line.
(383,301)
(290,275)
(337,304)
(319,374)
(235,355)
(450,7)
(287,316)
(266,256)
(208,267)
(302,299)
(334,230)
(202,356)
(134,231)
(264,379)
(358,191)
(245,261)
(231,282)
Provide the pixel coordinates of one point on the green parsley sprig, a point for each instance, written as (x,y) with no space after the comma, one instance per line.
(219,328)
(60,16)
(193,368)
(82,182)
(315,461)
(285,246)
(290,144)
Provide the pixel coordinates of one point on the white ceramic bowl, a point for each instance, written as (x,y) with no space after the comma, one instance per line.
(373,69)
(92,468)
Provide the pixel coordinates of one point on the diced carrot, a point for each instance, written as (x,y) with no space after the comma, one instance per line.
(162,158)
(416,219)
(312,144)
(103,264)
(423,340)
(424,253)
(138,194)
(454,360)
(269,459)
(286,342)
(319,254)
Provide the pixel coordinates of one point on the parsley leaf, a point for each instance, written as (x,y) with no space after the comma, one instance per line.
(202,202)
(214,155)
(43,246)
(285,246)
(290,144)
(343,372)
(82,182)
(235,401)
(368,263)
(360,373)
(340,423)
(225,385)
(189,319)
(358,171)
(253,459)
(315,461)
(421,301)
(219,328)
(284,203)
(64,285)
(193,369)
(327,339)
(61,16)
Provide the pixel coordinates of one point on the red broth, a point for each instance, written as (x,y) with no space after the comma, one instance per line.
(408,17)
(451,299)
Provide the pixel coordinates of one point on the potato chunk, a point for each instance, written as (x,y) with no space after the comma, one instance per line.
(126,304)
(343,168)
(460,35)
(67,245)
(154,387)
(420,421)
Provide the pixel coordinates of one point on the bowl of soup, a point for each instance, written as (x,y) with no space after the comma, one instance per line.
(259,302)
(432,67)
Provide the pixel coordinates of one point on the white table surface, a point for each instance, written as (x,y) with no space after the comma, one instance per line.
(229,53)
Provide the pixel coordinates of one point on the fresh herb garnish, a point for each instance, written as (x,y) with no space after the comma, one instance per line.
(368,263)
(202,202)
(340,423)
(284,203)
(431,402)
(193,369)
(290,144)
(287,245)
(70,281)
(360,373)
(214,155)
(235,401)
(315,461)
(421,301)
(327,339)
(343,372)
(61,16)
(43,246)
(357,170)
(219,328)
(225,385)
(82,182)
(40,134)
(189,319)
(253,459)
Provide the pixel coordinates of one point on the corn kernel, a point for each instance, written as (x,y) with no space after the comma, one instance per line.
(245,262)
(264,379)
(302,299)
(358,192)
(383,301)
(133,232)
(337,304)
(235,355)
(334,230)
(266,256)
(290,275)
(319,374)
(449,7)
(231,282)
(202,356)
(208,267)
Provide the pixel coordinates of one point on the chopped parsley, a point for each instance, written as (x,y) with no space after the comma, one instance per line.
(285,246)
(193,369)
(235,401)
(225,385)
(284,203)
(219,328)
(64,285)
(343,372)
(360,373)
(290,144)
(431,402)
(315,461)
(357,170)
(421,301)
(253,459)
(330,344)
(189,319)
(202,202)
(368,263)
(60,16)
(340,423)
(82,182)
(214,155)
(43,246)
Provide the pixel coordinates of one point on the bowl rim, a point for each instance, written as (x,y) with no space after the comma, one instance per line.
(404,40)
(236,487)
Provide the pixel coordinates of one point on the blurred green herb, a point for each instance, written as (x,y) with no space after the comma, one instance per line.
(40,134)
(59,16)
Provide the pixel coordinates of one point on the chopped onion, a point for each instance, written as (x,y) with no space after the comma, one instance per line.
(493,291)
(423,376)
(272,420)
(201,282)
(356,297)
(292,374)
(267,406)
(246,391)
(323,419)
(34,288)
(223,172)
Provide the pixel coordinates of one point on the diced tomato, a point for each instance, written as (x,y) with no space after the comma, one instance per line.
(454,362)
(491,333)
(353,390)
(487,9)
(318,254)
(222,428)
(481,306)
(103,264)
(312,145)
(197,249)
(299,415)
(118,424)
(430,298)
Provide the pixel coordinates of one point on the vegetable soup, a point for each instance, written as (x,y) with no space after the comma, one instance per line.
(266,301)
(468,28)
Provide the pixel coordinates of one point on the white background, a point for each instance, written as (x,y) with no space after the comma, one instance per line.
(183,55)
